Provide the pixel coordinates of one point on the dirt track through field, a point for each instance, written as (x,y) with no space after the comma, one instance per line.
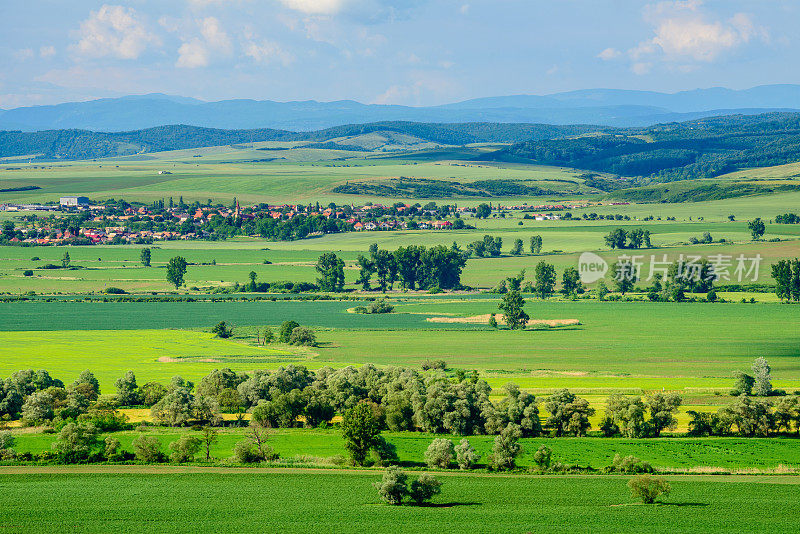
(484,319)
(170,470)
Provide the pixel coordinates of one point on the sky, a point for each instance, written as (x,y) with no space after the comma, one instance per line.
(411,52)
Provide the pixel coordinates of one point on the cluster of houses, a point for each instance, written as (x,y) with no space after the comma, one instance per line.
(115,223)
(94,236)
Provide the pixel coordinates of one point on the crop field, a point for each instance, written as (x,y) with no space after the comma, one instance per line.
(223,177)
(192,500)
(614,348)
(706,454)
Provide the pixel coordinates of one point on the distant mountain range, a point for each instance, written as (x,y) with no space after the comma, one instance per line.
(607,107)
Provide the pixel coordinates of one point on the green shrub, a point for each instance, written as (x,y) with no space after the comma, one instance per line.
(392,487)
(542,457)
(466,456)
(222,331)
(184,449)
(440,453)
(647,488)
(424,488)
(147,449)
(628,464)
(302,335)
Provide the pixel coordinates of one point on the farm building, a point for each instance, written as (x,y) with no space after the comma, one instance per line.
(74,202)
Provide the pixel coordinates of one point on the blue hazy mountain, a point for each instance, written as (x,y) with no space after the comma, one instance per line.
(610,107)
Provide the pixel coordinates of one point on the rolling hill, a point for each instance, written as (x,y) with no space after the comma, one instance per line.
(609,107)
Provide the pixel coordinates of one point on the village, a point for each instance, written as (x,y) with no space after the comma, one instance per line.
(77,220)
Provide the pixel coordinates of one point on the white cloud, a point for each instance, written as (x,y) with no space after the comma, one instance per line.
(363,11)
(266,51)
(214,35)
(685,32)
(197,51)
(192,54)
(47,51)
(114,31)
(609,54)
(317,7)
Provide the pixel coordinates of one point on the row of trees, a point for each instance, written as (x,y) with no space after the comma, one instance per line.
(544,281)
(414,266)
(621,238)
(788,218)
(749,417)
(401,398)
(492,246)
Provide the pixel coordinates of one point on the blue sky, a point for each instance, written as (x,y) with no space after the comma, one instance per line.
(414,52)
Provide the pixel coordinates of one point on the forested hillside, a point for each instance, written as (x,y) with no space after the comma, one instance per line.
(82,144)
(678,151)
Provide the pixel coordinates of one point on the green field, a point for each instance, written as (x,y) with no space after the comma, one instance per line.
(96,268)
(615,347)
(218,175)
(217,500)
(320,446)
(636,348)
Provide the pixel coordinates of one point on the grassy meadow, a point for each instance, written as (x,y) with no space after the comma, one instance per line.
(181,500)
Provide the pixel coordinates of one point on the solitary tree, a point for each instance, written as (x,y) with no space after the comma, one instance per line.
(514,314)
(176,270)
(424,488)
(65,260)
(647,488)
(392,487)
(757,228)
(221,330)
(145,257)
(516,248)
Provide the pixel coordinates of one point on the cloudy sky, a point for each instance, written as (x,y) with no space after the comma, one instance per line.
(415,52)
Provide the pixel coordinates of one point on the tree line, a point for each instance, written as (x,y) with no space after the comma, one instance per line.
(414,266)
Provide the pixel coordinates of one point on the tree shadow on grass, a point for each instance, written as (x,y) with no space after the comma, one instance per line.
(658,503)
(447,504)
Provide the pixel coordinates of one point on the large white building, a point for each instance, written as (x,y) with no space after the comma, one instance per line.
(74,202)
